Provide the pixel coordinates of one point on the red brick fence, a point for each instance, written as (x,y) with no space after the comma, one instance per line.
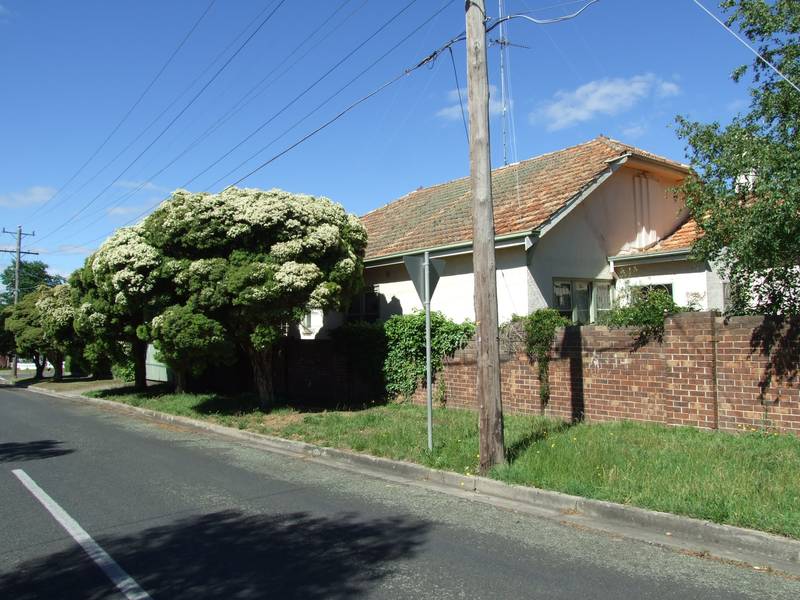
(707,372)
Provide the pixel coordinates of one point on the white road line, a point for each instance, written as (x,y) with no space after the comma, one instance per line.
(118,576)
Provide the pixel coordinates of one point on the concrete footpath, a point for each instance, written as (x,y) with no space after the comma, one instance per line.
(746,547)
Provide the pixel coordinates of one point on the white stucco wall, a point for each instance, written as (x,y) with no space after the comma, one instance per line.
(692,282)
(454,293)
(322,323)
(629,210)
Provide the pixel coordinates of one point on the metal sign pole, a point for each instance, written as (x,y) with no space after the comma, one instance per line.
(427,270)
(425,273)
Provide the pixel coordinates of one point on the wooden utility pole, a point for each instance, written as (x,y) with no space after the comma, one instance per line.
(19,233)
(492,448)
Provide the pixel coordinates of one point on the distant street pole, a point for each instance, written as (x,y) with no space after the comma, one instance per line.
(19,252)
(492,450)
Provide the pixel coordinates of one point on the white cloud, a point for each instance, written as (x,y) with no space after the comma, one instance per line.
(129,184)
(121,211)
(74,249)
(634,131)
(33,195)
(453,112)
(601,97)
(665,89)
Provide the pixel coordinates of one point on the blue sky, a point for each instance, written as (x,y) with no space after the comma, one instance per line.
(69,71)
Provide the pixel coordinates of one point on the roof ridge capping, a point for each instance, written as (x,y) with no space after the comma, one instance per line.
(639,152)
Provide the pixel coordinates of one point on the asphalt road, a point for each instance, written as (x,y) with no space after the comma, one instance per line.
(191,515)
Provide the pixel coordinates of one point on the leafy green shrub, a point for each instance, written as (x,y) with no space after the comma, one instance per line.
(404,367)
(540,331)
(124,370)
(189,342)
(646,310)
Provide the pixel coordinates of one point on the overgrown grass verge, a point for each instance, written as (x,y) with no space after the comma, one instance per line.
(749,480)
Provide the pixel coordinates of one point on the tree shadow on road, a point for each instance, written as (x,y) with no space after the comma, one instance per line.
(230,554)
(36,450)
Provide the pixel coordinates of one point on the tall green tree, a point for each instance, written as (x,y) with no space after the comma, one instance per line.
(32,274)
(746,195)
(56,319)
(119,290)
(254,262)
(6,337)
(24,322)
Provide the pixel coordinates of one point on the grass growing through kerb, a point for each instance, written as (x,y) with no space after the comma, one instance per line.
(749,480)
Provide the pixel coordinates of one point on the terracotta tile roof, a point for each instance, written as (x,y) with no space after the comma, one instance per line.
(525,195)
(681,239)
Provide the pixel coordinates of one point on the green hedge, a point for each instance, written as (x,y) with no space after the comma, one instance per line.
(395,350)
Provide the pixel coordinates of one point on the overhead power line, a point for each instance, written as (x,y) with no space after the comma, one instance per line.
(248,97)
(128,113)
(169,106)
(172,122)
(303,93)
(425,61)
(552,21)
(332,96)
(319,106)
(748,46)
(458,90)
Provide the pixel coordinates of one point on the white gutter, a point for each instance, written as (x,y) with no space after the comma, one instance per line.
(526,239)
(645,257)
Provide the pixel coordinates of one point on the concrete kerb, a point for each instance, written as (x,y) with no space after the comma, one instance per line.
(683,533)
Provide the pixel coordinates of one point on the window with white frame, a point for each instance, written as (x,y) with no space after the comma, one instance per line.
(582,300)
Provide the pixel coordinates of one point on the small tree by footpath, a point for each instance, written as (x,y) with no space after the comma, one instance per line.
(189,342)
(255,262)
(24,322)
(120,288)
(56,316)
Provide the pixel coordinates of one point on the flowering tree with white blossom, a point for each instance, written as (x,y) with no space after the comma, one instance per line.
(121,287)
(56,316)
(252,261)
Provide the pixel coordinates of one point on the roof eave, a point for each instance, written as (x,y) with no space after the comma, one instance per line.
(650,257)
(521,238)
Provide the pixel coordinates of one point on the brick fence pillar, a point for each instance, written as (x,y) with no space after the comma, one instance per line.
(690,394)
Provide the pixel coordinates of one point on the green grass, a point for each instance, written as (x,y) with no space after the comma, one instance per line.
(750,480)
